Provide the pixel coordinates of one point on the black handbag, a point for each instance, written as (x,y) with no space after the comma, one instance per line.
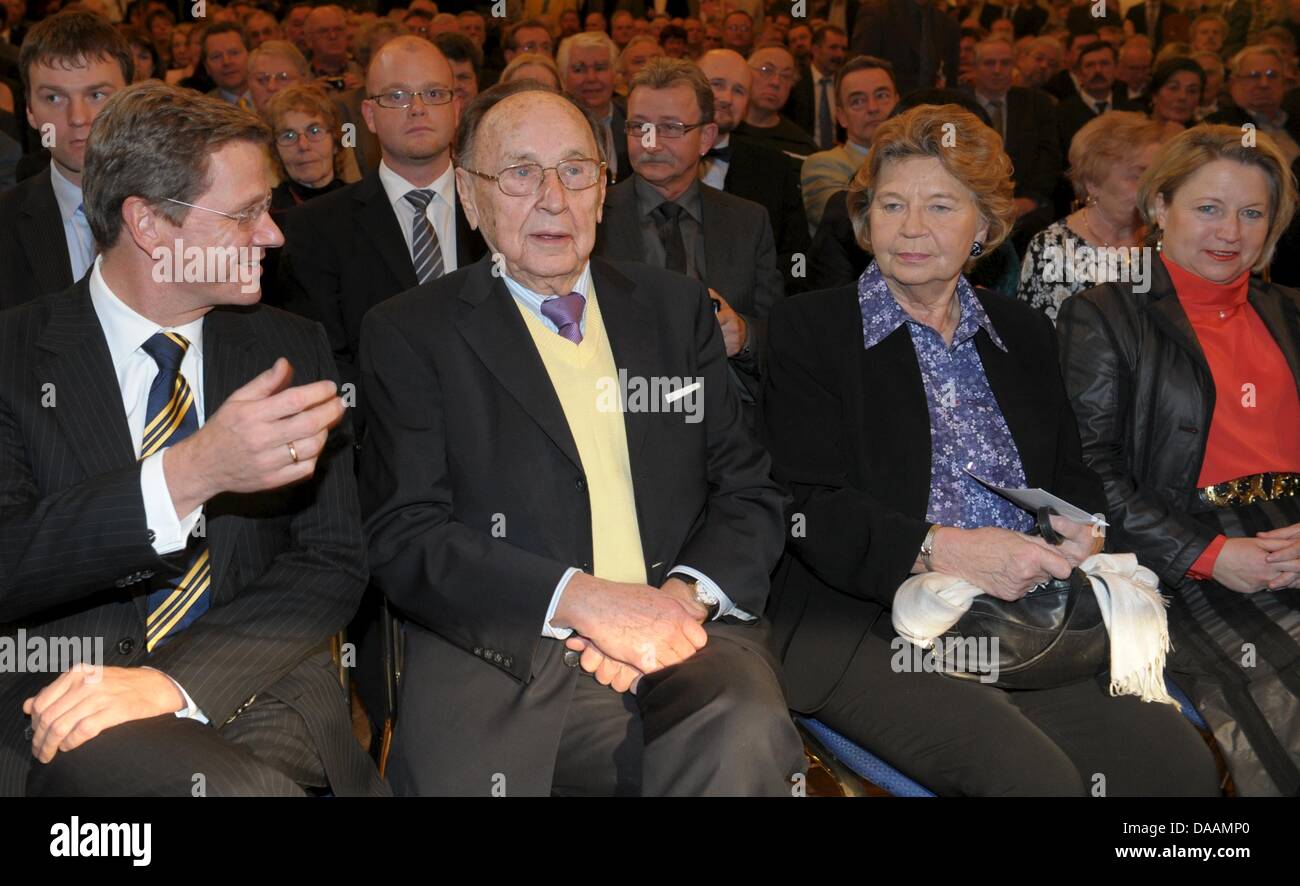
(1052,636)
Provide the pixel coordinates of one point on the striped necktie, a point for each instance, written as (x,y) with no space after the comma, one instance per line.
(426,251)
(171,417)
(565,311)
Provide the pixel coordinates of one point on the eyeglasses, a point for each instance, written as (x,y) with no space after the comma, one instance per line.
(287,138)
(769,71)
(525,179)
(1270,75)
(401,98)
(246,219)
(281,77)
(336,31)
(665,130)
(534,46)
(580,68)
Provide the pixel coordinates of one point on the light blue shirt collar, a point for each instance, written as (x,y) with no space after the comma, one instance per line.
(66,194)
(533,300)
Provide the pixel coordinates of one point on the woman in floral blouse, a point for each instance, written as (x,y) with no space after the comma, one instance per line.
(1095,243)
(880,396)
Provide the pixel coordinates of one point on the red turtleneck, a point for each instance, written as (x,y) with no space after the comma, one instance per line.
(1256,417)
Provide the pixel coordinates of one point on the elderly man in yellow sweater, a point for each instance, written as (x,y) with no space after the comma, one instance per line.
(865,96)
(564,503)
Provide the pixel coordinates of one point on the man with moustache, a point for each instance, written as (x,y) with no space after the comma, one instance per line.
(664,215)
(530,533)
(1095,69)
(71,64)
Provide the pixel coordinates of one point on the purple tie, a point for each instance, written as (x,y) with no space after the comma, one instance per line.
(565,311)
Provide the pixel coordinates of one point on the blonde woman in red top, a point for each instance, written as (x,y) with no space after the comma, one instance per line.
(1188,408)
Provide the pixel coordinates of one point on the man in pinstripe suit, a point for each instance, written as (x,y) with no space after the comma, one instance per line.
(167,496)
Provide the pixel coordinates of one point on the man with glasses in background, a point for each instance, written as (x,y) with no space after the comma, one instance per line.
(326,32)
(401,224)
(1257,85)
(665,216)
(774,75)
(147,511)
(533,529)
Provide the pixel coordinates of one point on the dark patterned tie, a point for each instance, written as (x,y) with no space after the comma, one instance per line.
(825,126)
(565,311)
(426,251)
(668,221)
(171,417)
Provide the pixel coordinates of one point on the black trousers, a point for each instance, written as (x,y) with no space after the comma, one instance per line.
(266,751)
(714,725)
(964,738)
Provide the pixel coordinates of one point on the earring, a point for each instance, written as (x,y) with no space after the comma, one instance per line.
(1160,244)
(1090,200)
(976,248)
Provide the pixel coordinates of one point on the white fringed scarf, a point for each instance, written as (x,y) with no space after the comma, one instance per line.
(1132,608)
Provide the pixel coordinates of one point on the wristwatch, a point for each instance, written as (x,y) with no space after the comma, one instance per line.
(927,547)
(700,594)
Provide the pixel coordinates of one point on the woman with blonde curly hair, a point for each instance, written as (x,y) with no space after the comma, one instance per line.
(1186,390)
(880,397)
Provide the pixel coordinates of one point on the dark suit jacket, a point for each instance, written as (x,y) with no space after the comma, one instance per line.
(1033,142)
(1234,116)
(464,425)
(885,29)
(739,258)
(1137,14)
(618,127)
(33,248)
(1072,114)
(344,253)
(801,108)
(862,481)
(771,179)
(288,566)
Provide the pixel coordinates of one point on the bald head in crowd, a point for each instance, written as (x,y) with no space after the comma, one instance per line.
(731,79)
(415,139)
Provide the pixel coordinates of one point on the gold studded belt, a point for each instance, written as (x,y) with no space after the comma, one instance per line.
(1248,490)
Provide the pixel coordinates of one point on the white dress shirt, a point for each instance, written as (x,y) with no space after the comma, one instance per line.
(441,210)
(532,302)
(126,332)
(713,171)
(76,230)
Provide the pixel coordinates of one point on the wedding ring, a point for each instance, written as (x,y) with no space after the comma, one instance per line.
(293,453)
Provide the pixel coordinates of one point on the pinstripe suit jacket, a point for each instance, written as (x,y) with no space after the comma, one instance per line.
(75,554)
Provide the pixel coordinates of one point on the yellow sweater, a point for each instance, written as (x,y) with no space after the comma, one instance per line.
(576,373)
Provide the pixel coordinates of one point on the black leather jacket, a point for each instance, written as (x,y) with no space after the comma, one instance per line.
(1144,396)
